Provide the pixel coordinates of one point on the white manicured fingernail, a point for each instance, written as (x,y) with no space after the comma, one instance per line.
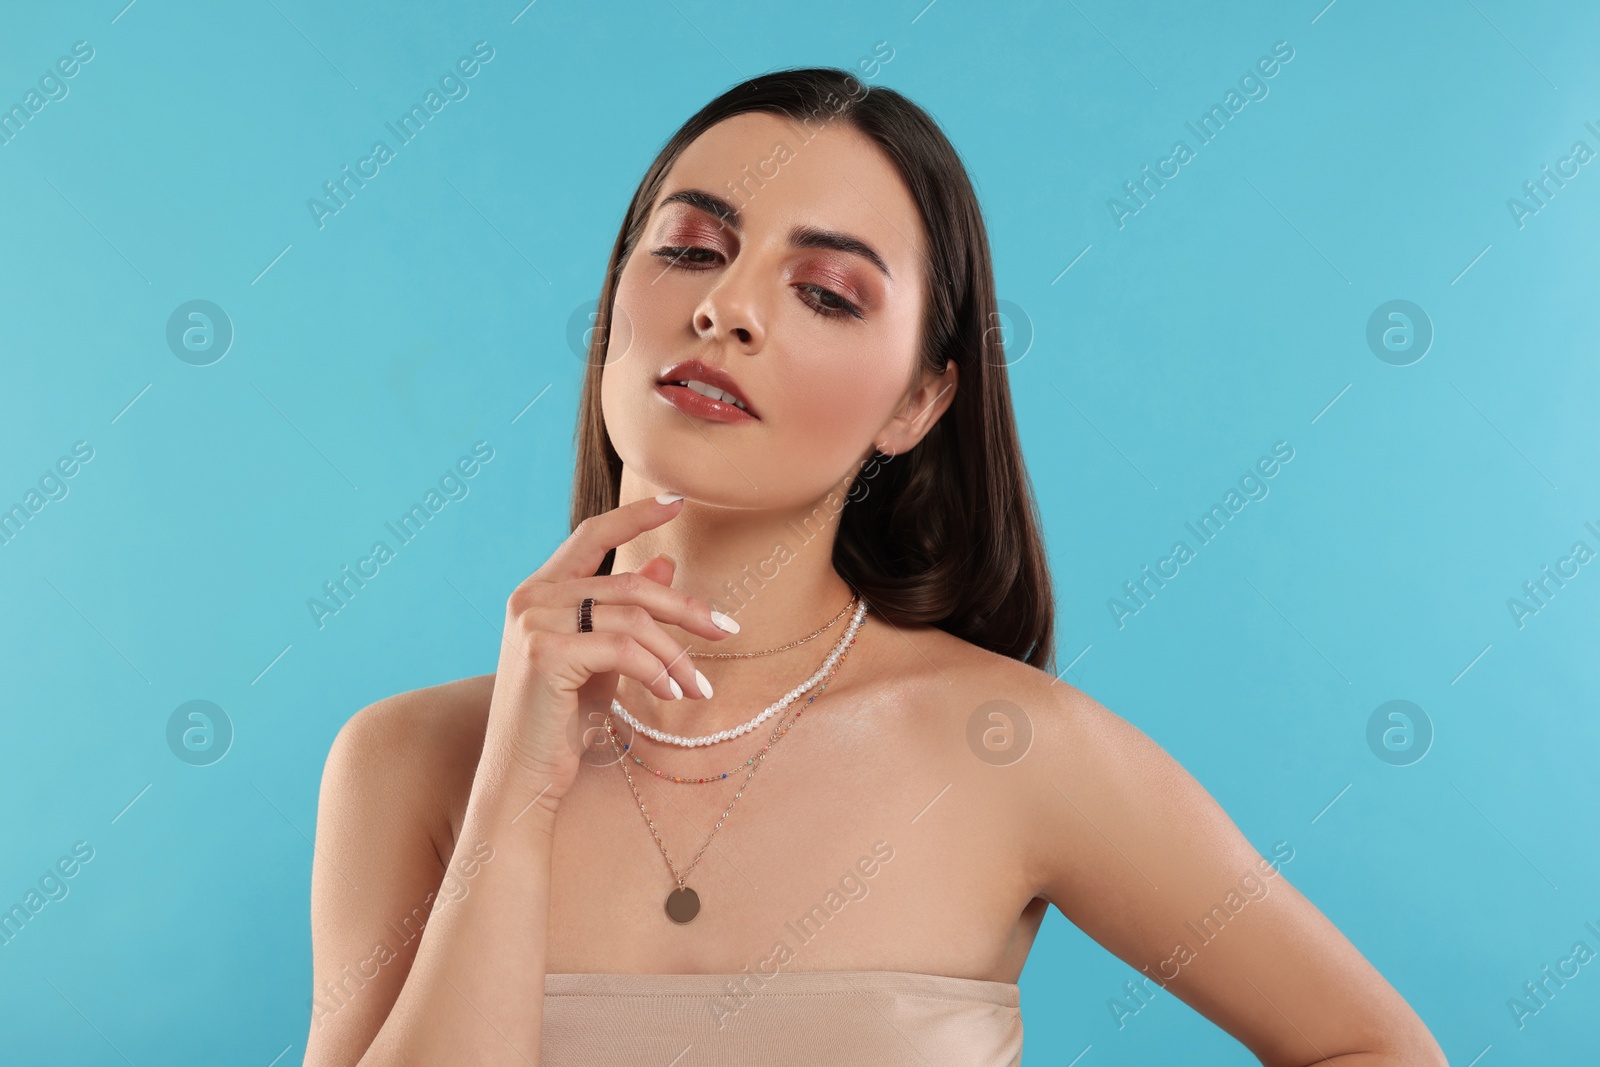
(705,686)
(724,623)
(677,690)
(668,498)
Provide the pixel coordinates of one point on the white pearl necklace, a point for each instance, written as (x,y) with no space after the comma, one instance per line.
(738,731)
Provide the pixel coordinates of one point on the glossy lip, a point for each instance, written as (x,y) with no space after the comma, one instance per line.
(697,371)
(698,405)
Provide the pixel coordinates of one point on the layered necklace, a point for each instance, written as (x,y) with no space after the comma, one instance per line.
(772,709)
(683,903)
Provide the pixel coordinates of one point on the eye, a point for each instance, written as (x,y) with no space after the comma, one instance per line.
(824,302)
(678,255)
(820,302)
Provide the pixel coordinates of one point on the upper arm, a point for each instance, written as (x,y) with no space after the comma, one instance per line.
(1139,856)
(375,871)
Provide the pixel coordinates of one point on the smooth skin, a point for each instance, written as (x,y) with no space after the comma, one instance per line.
(486,812)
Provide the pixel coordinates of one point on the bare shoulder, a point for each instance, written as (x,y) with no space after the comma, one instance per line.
(384,841)
(1108,814)
(1046,757)
(418,749)
(1133,850)
(420,727)
(1138,855)
(982,688)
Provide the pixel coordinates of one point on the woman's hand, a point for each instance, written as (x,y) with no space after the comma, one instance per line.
(549,674)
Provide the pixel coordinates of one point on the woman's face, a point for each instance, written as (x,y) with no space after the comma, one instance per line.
(798,268)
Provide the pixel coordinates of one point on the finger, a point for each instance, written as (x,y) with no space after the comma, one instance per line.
(664,603)
(598,652)
(581,554)
(637,623)
(658,570)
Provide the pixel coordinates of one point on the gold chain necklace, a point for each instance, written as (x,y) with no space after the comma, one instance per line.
(775,708)
(780,648)
(683,903)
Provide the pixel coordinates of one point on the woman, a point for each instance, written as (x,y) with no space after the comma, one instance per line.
(798,471)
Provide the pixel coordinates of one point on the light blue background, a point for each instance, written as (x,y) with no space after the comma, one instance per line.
(1228,314)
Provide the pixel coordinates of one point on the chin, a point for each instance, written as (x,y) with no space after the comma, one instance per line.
(659,446)
(666,449)
(670,464)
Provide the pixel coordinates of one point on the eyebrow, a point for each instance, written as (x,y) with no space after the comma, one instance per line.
(799,237)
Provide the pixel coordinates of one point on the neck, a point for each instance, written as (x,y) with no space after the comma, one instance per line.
(772,571)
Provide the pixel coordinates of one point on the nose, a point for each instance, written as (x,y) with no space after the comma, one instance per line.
(732,311)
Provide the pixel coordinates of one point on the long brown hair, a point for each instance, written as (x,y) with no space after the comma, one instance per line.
(947,534)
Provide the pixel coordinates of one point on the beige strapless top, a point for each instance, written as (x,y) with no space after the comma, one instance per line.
(838,1018)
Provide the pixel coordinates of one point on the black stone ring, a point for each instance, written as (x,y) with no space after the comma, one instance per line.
(585,616)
